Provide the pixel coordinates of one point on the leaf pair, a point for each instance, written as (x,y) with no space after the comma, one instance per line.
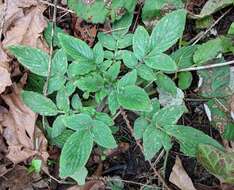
(78,146)
(149,49)
(158,130)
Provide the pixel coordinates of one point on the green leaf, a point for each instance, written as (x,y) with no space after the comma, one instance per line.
(146,73)
(80,175)
(91,12)
(166,84)
(134,98)
(35,166)
(76,102)
(80,68)
(35,83)
(59,63)
(125,41)
(75,47)
(231,29)
(129,59)
(78,122)
(105,118)
(58,126)
(75,153)
(140,125)
(113,103)
(160,61)
(90,83)
(212,6)
(70,88)
(208,51)
(61,139)
(128,79)
(140,42)
(153,9)
(151,142)
(98,53)
(168,115)
(62,100)
(184,56)
(56,82)
(156,108)
(32,58)
(113,72)
(48,36)
(229,132)
(189,138)
(217,162)
(39,103)
(121,27)
(107,41)
(108,55)
(102,134)
(185,80)
(167,31)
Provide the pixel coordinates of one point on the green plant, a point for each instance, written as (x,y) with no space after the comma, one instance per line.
(98,11)
(94,80)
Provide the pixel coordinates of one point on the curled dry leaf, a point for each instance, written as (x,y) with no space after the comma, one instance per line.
(19,132)
(180,178)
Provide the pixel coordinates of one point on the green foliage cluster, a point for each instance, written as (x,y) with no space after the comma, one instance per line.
(88,85)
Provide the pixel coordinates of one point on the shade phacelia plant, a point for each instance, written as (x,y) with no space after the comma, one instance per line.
(88,85)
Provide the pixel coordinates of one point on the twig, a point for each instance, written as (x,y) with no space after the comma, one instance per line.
(209,29)
(3,16)
(57,180)
(207,66)
(45,90)
(58,7)
(161,179)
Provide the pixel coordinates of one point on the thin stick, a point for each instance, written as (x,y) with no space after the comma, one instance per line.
(207,66)
(161,179)
(58,7)
(45,90)
(209,29)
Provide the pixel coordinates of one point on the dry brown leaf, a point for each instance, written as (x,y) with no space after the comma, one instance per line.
(16,179)
(19,130)
(24,25)
(180,178)
(5,79)
(90,185)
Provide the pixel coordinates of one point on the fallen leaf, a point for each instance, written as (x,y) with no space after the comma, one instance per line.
(90,185)
(20,131)
(180,178)
(16,179)
(27,25)
(5,79)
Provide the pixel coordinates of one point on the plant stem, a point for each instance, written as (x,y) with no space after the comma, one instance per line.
(45,90)
(161,179)
(55,6)
(207,66)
